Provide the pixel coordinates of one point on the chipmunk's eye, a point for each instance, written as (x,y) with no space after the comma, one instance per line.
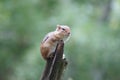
(63,29)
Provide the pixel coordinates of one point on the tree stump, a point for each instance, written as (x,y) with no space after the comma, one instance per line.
(55,66)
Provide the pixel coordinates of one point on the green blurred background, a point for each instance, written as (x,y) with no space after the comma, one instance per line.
(93,51)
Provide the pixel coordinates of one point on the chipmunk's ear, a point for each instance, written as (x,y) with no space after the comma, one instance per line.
(58,27)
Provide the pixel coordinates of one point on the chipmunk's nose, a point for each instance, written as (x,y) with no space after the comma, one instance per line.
(68,33)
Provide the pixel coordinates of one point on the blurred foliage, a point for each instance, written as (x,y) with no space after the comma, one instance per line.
(92,51)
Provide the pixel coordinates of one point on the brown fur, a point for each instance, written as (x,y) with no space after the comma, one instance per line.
(50,41)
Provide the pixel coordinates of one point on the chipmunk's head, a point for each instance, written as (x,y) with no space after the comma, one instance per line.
(63,31)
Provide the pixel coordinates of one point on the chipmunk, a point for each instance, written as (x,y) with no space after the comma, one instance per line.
(49,43)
